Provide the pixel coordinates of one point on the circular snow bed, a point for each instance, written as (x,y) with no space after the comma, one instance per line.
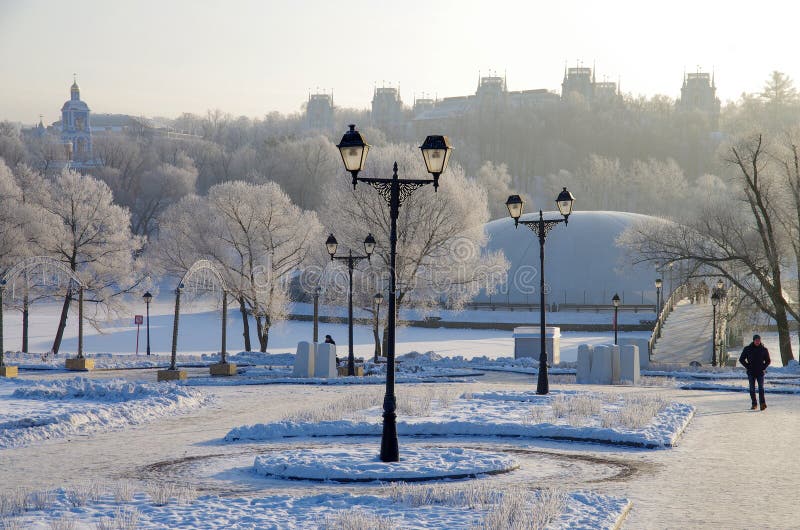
(361,464)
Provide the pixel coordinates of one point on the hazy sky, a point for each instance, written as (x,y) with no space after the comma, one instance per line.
(161,58)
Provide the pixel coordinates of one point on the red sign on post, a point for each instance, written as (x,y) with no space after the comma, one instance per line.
(138,320)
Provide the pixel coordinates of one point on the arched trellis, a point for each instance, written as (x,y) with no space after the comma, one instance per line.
(51,271)
(205,277)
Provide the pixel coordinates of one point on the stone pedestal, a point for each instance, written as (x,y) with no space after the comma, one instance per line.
(325,360)
(304,359)
(643,346)
(528,343)
(223,369)
(583,373)
(171,375)
(8,371)
(629,365)
(79,364)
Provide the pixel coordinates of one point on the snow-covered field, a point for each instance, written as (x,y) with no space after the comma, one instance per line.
(200,331)
(33,411)
(628,419)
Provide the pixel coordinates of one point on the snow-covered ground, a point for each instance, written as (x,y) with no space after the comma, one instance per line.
(399,507)
(628,419)
(33,411)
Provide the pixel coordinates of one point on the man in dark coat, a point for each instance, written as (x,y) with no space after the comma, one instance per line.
(755,358)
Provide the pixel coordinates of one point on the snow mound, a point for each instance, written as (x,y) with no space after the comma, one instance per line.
(356,464)
(420,358)
(38,411)
(575,417)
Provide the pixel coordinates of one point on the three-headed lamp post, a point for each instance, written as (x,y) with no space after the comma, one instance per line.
(541,227)
(436,152)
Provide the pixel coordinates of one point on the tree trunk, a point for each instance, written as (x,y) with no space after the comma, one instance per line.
(245,325)
(62,322)
(263,333)
(784,336)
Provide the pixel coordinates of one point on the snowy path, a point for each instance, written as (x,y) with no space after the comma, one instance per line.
(686,336)
(702,483)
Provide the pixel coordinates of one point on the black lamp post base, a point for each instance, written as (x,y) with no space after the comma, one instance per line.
(390,446)
(542,384)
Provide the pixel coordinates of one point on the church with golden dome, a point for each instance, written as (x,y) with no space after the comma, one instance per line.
(76,130)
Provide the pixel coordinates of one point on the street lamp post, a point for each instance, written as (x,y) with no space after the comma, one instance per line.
(714,301)
(436,152)
(378,300)
(351,260)
(317,292)
(147,299)
(540,227)
(659,283)
(615,301)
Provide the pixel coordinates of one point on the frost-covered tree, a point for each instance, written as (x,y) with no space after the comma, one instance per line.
(441,254)
(744,235)
(92,236)
(496,180)
(255,235)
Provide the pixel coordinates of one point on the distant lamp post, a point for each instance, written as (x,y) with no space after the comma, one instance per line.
(317,292)
(714,301)
(615,301)
(378,300)
(540,227)
(659,283)
(147,299)
(351,260)
(436,153)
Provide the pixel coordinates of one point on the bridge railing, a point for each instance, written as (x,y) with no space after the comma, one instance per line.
(679,293)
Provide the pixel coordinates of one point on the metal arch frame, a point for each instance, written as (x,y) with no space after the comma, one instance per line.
(198,266)
(203,265)
(31,263)
(38,261)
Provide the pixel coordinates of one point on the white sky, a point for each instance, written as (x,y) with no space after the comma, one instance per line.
(161,58)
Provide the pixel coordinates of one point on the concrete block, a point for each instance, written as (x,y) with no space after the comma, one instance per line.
(325,360)
(629,364)
(171,375)
(304,360)
(223,369)
(643,345)
(79,364)
(342,371)
(614,363)
(8,371)
(584,371)
(528,343)
(601,373)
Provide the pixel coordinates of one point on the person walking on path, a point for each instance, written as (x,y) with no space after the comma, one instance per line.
(755,358)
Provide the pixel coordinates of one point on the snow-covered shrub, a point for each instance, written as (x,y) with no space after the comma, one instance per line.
(14,502)
(635,412)
(65,522)
(41,500)
(10,523)
(127,519)
(534,415)
(414,403)
(337,410)
(646,380)
(160,492)
(576,408)
(185,493)
(356,520)
(123,491)
(521,510)
(475,494)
